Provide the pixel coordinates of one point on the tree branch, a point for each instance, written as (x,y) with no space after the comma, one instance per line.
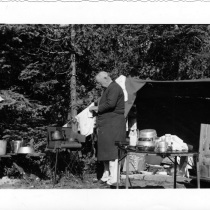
(54,40)
(65,52)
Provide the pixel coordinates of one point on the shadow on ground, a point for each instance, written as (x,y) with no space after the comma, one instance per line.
(193,184)
(138,187)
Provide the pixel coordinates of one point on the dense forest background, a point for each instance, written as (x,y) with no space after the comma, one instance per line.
(35,67)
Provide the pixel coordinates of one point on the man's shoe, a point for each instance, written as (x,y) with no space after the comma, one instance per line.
(98,181)
(101,182)
(105,186)
(112,184)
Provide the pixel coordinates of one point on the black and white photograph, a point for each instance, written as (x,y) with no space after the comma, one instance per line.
(105,108)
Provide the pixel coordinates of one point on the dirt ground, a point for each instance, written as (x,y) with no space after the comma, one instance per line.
(89,182)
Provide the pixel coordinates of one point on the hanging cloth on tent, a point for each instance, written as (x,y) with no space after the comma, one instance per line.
(86,121)
(121,81)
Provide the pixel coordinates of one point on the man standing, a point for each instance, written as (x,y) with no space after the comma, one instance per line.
(111,125)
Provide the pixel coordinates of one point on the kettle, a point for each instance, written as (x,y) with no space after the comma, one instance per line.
(57,135)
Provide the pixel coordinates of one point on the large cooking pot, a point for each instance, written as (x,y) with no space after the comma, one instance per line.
(146,140)
(147,134)
(15,145)
(146,143)
(57,135)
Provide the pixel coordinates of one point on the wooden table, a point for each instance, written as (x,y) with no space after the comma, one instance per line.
(14,156)
(25,154)
(128,151)
(5,156)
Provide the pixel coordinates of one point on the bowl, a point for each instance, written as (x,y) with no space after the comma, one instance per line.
(25,150)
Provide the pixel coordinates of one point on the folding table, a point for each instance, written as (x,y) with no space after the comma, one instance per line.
(128,151)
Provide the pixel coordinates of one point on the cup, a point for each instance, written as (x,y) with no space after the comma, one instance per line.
(162,149)
(162,146)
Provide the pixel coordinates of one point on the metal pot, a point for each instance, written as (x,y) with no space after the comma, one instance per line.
(147,134)
(57,135)
(15,145)
(146,145)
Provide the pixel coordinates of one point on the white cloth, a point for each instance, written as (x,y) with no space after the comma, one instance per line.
(1,99)
(121,81)
(133,132)
(177,143)
(185,163)
(86,121)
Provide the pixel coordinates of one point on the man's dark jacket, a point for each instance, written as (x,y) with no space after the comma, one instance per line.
(111,122)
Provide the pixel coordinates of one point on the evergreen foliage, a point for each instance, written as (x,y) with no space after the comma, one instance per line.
(35,67)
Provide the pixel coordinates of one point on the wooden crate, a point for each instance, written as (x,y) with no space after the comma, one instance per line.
(136,162)
(204,151)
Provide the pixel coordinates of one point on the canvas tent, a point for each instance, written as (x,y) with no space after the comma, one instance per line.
(174,107)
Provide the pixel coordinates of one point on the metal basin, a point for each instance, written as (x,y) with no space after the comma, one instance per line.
(25,150)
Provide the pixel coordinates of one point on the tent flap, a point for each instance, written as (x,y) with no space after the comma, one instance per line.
(174,107)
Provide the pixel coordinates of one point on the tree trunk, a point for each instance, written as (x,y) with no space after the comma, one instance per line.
(73,104)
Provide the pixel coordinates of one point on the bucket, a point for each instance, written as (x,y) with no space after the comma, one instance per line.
(3,147)
(15,145)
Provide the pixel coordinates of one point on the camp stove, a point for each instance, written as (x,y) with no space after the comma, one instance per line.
(63,138)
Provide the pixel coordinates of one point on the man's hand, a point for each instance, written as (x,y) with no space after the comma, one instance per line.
(93,108)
